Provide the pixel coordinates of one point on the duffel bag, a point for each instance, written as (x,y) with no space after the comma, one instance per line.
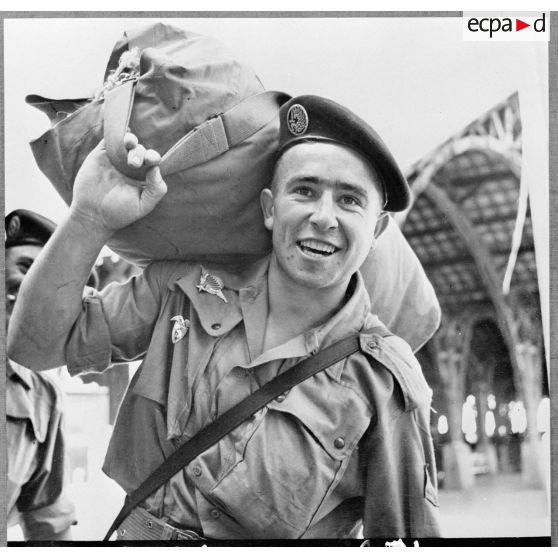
(186,96)
(400,293)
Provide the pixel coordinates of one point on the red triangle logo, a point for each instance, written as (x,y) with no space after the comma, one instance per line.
(519,25)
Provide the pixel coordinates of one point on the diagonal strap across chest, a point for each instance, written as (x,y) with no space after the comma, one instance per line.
(232,418)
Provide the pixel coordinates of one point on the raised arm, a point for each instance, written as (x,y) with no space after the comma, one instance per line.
(49,300)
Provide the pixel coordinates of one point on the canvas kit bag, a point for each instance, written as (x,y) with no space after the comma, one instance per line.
(189,98)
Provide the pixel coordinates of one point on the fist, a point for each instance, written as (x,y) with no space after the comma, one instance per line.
(106,199)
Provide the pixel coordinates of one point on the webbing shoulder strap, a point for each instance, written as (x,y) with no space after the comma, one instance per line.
(232,418)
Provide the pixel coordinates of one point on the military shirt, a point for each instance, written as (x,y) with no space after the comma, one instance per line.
(299,466)
(35,496)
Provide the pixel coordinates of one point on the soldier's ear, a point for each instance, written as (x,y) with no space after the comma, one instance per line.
(381,224)
(266,202)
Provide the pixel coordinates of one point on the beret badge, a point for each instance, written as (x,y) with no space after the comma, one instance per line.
(297,120)
(13,226)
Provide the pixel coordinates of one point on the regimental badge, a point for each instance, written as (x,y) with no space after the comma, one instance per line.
(13,226)
(211,284)
(297,120)
(179,329)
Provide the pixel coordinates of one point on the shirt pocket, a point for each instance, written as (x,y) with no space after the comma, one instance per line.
(293,459)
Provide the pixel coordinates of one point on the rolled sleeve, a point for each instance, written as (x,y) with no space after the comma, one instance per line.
(115,324)
(89,346)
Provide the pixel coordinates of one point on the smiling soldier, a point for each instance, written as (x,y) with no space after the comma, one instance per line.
(347,448)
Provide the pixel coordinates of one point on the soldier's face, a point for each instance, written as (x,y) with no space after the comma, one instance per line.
(323,210)
(18,261)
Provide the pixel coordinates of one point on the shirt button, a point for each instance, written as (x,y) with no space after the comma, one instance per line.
(215,326)
(339,443)
(197,471)
(280,398)
(371,344)
(215,514)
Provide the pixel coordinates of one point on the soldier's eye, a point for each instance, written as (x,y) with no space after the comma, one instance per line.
(350,200)
(304,191)
(23,264)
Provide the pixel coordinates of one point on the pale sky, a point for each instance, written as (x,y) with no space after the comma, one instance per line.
(414,79)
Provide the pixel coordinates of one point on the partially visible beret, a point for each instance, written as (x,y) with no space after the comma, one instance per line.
(313,118)
(27,227)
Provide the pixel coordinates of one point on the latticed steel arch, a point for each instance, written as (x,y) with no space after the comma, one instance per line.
(462,219)
(466,196)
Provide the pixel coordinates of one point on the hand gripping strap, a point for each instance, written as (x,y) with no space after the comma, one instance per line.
(232,418)
(210,139)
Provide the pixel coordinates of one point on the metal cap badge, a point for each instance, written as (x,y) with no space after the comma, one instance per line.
(13,226)
(297,120)
(24,226)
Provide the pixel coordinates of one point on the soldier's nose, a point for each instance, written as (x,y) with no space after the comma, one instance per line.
(323,214)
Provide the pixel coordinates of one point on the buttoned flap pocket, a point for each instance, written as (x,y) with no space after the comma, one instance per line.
(333,413)
(294,458)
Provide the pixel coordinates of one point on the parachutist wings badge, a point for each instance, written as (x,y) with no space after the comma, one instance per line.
(211,284)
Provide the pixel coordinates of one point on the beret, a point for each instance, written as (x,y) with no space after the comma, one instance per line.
(313,118)
(27,227)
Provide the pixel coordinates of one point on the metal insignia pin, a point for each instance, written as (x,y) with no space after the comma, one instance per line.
(211,284)
(14,226)
(179,328)
(297,120)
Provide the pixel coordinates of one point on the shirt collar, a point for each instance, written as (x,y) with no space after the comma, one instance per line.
(247,300)
(218,317)
(348,320)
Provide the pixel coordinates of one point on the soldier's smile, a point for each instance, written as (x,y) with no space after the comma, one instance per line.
(316,248)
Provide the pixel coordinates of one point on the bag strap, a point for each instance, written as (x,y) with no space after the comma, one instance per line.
(235,416)
(210,139)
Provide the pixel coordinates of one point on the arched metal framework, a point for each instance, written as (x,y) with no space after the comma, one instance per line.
(462,219)
(466,200)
